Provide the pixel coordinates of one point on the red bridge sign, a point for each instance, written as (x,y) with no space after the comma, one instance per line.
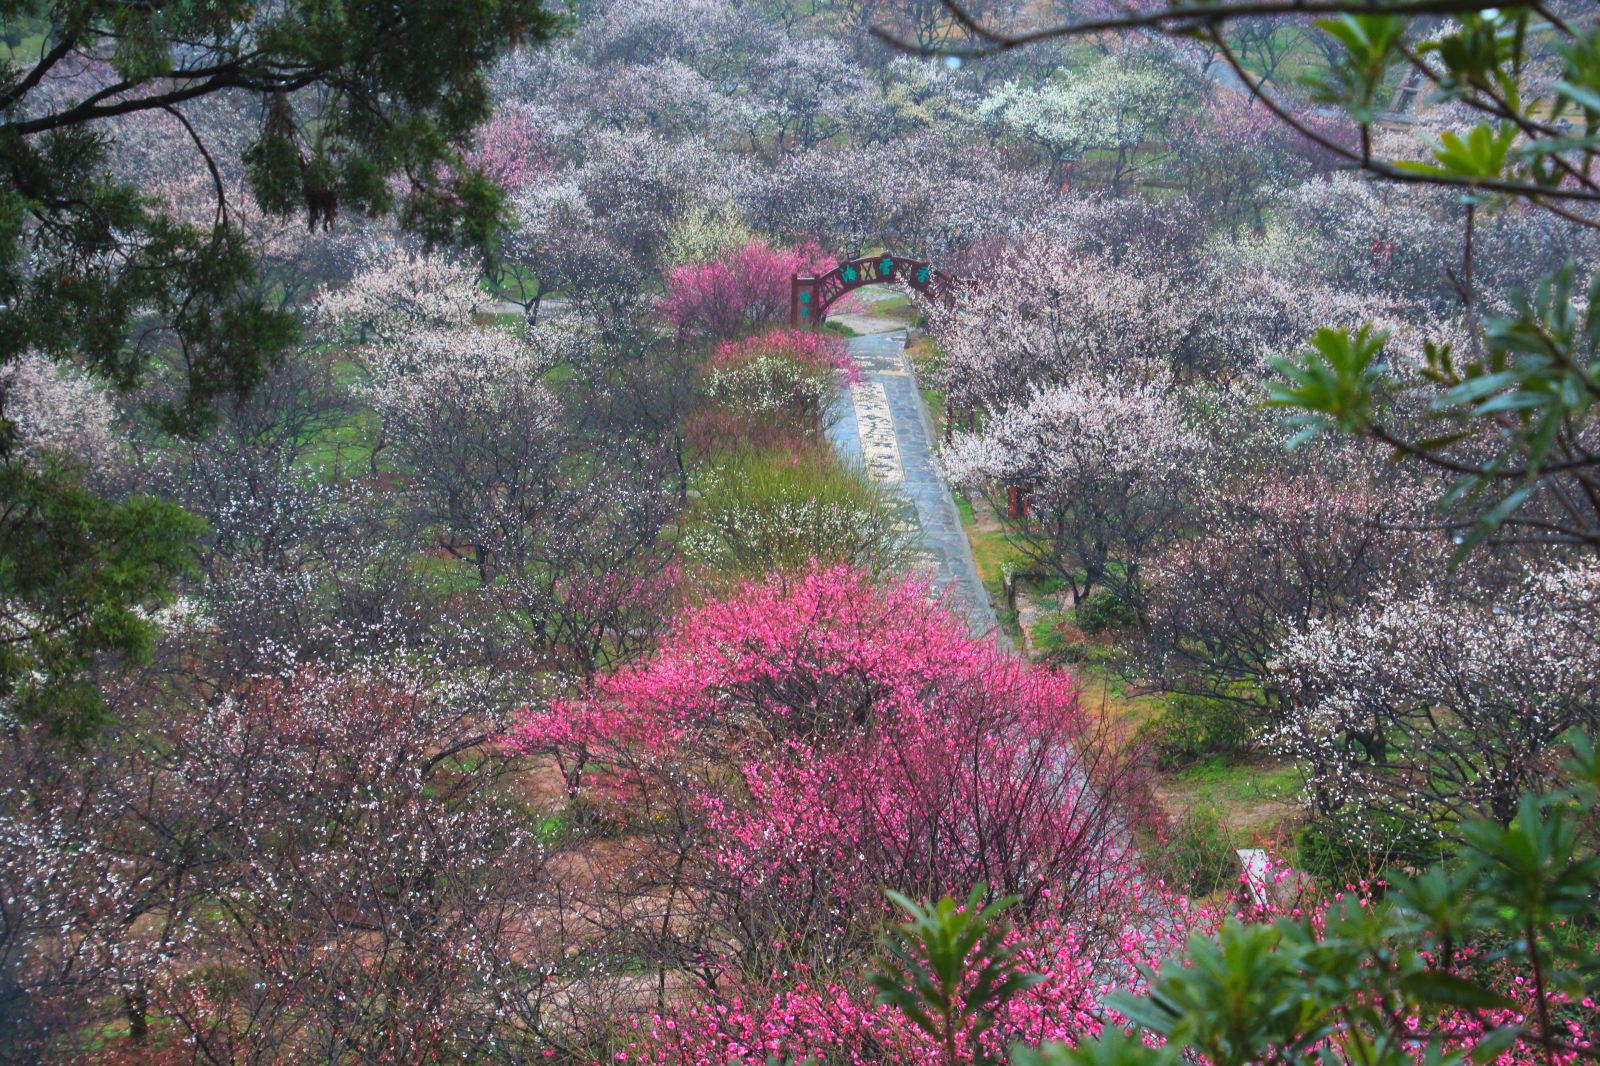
(810,297)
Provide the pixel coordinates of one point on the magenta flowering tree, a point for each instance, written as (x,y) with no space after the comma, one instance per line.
(739,293)
(837,1020)
(797,746)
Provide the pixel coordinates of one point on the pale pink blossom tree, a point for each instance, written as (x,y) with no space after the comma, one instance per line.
(1433,705)
(1092,479)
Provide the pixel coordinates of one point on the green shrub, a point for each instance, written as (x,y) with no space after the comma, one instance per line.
(779,512)
(1104,610)
(1078,652)
(1198,855)
(1196,727)
(1353,844)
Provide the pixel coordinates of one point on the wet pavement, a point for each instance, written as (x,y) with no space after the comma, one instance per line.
(882,424)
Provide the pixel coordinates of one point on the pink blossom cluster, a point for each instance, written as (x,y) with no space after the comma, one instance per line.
(874,741)
(838,1021)
(745,290)
(512,149)
(830,735)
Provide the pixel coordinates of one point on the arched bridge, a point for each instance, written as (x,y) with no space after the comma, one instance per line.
(811,296)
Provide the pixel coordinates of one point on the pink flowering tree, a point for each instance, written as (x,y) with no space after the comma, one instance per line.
(743,291)
(800,744)
(512,149)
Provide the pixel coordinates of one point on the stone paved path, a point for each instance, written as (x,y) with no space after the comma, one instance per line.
(881,423)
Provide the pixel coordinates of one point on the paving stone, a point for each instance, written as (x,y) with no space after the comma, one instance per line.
(881,424)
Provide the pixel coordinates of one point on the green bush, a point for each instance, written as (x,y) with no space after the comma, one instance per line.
(778,512)
(1198,855)
(1352,845)
(1196,727)
(1104,610)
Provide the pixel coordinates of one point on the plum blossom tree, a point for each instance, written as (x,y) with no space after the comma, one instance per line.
(290,533)
(750,1023)
(394,292)
(917,96)
(711,35)
(742,291)
(1118,106)
(863,729)
(559,518)
(1107,474)
(598,231)
(472,423)
(1271,554)
(1121,288)
(797,101)
(945,196)
(1439,705)
(1229,155)
(62,411)
(512,148)
(1047,315)
(1359,236)
(370,882)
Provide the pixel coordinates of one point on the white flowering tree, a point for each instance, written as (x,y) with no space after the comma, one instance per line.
(290,531)
(1267,554)
(1120,108)
(472,424)
(598,232)
(61,411)
(1443,703)
(1105,472)
(394,292)
(1046,314)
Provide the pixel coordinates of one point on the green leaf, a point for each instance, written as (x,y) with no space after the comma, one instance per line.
(1438,987)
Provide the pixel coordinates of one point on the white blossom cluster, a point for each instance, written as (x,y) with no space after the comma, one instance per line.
(394,292)
(1444,699)
(61,410)
(1066,435)
(789,532)
(768,383)
(1120,102)
(439,377)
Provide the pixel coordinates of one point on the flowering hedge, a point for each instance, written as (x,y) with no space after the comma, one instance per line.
(743,291)
(781,370)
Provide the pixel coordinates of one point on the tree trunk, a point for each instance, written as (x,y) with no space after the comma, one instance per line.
(136,1006)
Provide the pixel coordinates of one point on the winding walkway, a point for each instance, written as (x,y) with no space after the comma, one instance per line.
(881,423)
